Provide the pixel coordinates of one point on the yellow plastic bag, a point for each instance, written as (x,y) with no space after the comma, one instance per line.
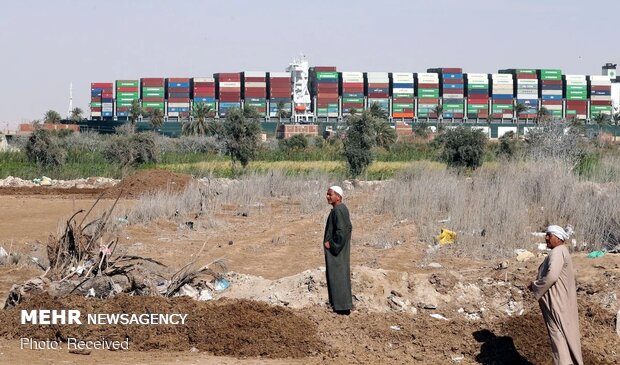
(446,237)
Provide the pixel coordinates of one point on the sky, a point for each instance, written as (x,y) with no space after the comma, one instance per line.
(47,45)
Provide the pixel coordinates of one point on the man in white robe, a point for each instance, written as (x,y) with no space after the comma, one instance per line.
(555,290)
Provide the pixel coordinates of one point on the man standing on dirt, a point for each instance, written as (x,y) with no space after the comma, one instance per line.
(337,248)
(555,290)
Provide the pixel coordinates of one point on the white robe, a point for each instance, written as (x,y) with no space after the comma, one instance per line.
(556,293)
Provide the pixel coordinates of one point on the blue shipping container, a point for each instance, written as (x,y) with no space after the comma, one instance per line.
(178,84)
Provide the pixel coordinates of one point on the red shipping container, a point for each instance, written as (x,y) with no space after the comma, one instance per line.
(378,95)
(402,101)
(527,76)
(178,100)
(353,105)
(453,81)
(229,75)
(255,94)
(228,96)
(227,99)
(378,85)
(353,84)
(178,79)
(178,90)
(107,95)
(576,102)
(600,102)
(551,82)
(127,89)
(428,100)
(428,86)
(204,89)
(96,108)
(453,91)
(101,85)
(552,102)
(324,68)
(502,101)
(600,88)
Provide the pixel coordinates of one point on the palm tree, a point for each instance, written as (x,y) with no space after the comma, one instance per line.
(135,111)
(377,111)
(385,134)
(281,112)
(438,110)
(51,117)
(156,117)
(601,120)
(198,126)
(76,114)
(616,120)
(519,108)
(542,114)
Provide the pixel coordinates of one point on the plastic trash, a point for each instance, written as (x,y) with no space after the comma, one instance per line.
(205,294)
(3,252)
(446,237)
(45,181)
(395,328)
(439,316)
(221,284)
(595,254)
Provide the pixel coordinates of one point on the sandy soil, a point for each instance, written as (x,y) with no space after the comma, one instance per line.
(275,259)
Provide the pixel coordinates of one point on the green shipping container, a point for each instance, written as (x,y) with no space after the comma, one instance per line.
(402,96)
(95,104)
(428,93)
(153,94)
(472,107)
(327,75)
(149,104)
(477,86)
(127,95)
(127,83)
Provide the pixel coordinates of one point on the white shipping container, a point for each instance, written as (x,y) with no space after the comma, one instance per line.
(599,78)
(106,109)
(453,96)
(356,75)
(503,77)
(399,90)
(527,96)
(600,83)
(95,114)
(576,83)
(600,97)
(351,80)
(527,82)
(256,84)
(478,76)
(230,84)
(173,114)
(551,92)
(402,75)
(553,107)
(377,75)
(575,77)
(178,105)
(204,79)
(503,82)
(274,75)
(255,74)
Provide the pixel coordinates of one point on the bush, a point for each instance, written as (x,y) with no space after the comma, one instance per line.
(508,145)
(242,131)
(296,142)
(44,149)
(132,149)
(462,147)
(359,142)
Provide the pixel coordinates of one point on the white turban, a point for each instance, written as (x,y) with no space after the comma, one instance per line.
(338,190)
(558,231)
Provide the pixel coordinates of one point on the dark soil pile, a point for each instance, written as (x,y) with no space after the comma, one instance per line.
(238,328)
(145,181)
(49,190)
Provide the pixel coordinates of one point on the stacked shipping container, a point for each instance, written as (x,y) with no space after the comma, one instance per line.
(280,93)
(526,89)
(228,88)
(428,94)
(378,89)
(576,95)
(352,92)
(452,91)
(204,92)
(255,91)
(502,94)
(101,97)
(551,91)
(403,95)
(126,92)
(324,86)
(178,97)
(153,92)
(477,96)
(600,95)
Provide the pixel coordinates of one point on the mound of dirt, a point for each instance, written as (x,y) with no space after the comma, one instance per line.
(145,181)
(226,327)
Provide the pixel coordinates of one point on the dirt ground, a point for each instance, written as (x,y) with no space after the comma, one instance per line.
(275,310)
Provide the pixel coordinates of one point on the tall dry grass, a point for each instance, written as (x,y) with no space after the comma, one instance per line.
(494,210)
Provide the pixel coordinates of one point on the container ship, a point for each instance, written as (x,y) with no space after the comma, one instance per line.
(306,93)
